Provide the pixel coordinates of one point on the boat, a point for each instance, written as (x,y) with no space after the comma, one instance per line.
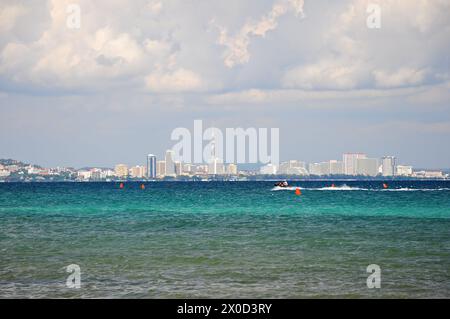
(281,184)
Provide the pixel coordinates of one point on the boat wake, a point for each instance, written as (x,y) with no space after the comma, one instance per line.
(287,188)
(406,189)
(335,188)
(349,188)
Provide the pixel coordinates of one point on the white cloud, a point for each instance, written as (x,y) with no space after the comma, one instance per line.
(237,45)
(9,15)
(326,74)
(282,96)
(180,80)
(169,46)
(98,55)
(401,77)
(401,53)
(155,7)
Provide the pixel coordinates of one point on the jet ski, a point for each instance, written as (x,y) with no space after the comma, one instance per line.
(281,184)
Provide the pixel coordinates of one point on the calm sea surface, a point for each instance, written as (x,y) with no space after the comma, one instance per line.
(225,239)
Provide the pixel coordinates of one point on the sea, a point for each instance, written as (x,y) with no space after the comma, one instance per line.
(315,239)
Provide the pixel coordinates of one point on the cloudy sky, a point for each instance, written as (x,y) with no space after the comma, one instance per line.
(113,89)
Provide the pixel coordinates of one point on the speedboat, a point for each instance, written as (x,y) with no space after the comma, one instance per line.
(282,184)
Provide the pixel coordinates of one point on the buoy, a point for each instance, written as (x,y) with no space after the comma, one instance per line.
(142,186)
(121,185)
(298,192)
(385,186)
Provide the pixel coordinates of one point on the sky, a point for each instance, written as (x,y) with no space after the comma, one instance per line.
(113,88)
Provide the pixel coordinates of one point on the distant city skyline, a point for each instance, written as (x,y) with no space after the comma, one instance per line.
(352,165)
(144,161)
(348,164)
(106,91)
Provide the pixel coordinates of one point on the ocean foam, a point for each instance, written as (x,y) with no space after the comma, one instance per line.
(349,188)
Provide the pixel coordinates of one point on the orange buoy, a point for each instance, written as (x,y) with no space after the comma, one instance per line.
(142,186)
(385,186)
(298,192)
(121,185)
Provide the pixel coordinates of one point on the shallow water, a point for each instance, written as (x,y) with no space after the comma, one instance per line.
(225,239)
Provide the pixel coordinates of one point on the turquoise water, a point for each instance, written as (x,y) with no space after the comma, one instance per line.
(224,240)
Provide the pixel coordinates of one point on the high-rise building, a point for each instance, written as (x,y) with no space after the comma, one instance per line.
(332,167)
(232,169)
(170,164)
(336,167)
(349,160)
(215,166)
(121,170)
(137,171)
(403,170)
(178,168)
(388,166)
(160,168)
(367,166)
(220,168)
(151,166)
(325,168)
(315,169)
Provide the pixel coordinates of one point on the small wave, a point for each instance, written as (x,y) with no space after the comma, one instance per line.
(349,188)
(406,189)
(341,188)
(335,188)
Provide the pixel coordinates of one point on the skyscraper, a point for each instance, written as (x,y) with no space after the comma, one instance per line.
(215,166)
(350,162)
(178,168)
(388,166)
(151,166)
(137,171)
(170,164)
(336,167)
(367,166)
(332,167)
(160,168)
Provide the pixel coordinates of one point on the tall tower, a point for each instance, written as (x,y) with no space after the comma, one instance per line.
(170,164)
(388,166)
(350,160)
(215,164)
(151,166)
